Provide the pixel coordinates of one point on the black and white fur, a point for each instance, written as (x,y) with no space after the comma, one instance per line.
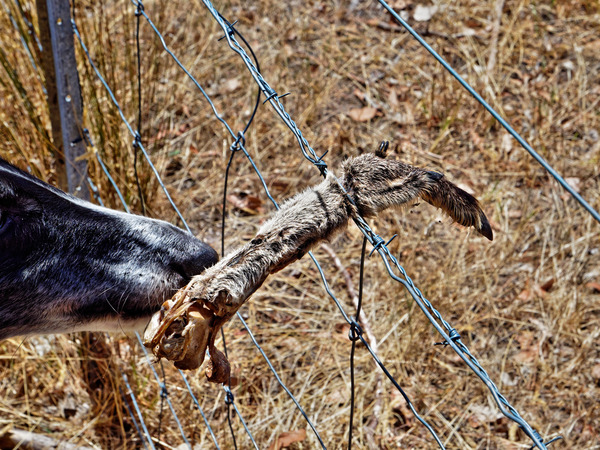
(68,265)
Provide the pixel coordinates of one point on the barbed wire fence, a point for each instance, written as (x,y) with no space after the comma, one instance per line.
(450,336)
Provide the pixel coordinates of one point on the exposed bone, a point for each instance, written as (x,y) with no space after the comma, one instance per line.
(188,324)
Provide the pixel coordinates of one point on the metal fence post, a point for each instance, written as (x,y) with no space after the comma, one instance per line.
(64,95)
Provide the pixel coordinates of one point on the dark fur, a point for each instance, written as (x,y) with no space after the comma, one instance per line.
(68,265)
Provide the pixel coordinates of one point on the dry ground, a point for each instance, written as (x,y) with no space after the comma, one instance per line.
(527,305)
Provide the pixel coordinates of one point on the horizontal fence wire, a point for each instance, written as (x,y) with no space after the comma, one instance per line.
(450,334)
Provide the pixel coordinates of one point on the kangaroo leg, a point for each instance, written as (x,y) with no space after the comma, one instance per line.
(188,324)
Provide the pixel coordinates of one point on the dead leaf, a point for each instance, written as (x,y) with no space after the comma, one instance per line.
(596,372)
(424,13)
(477,139)
(593,285)
(341,332)
(547,285)
(405,115)
(338,397)
(250,204)
(525,295)
(287,438)
(393,98)
(529,347)
(359,94)
(232,84)
(363,114)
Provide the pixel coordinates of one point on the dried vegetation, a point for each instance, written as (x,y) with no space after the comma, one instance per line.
(527,305)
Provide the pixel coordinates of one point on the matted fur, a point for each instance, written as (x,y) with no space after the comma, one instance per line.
(188,324)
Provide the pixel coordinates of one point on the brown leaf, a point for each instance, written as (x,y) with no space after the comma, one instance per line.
(596,372)
(250,204)
(363,114)
(525,295)
(593,285)
(393,98)
(359,94)
(287,438)
(529,348)
(341,332)
(547,285)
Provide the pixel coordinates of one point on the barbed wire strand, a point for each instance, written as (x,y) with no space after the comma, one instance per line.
(375,240)
(126,207)
(138,412)
(322,167)
(493,112)
(272,97)
(239,142)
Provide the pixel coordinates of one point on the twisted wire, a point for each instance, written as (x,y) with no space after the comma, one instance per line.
(449,334)
(452,338)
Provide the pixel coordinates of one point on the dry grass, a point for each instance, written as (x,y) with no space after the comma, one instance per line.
(526,305)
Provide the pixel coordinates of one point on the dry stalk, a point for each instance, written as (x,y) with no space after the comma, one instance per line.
(494,39)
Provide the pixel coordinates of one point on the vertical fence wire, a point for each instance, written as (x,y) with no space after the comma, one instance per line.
(449,334)
(137,142)
(452,338)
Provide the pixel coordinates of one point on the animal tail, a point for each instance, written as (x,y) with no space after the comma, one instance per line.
(458,204)
(375,184)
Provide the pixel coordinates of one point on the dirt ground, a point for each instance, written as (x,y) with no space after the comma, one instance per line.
(527,305)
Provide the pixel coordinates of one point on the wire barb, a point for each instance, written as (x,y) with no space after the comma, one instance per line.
(450,335)
(454,337)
